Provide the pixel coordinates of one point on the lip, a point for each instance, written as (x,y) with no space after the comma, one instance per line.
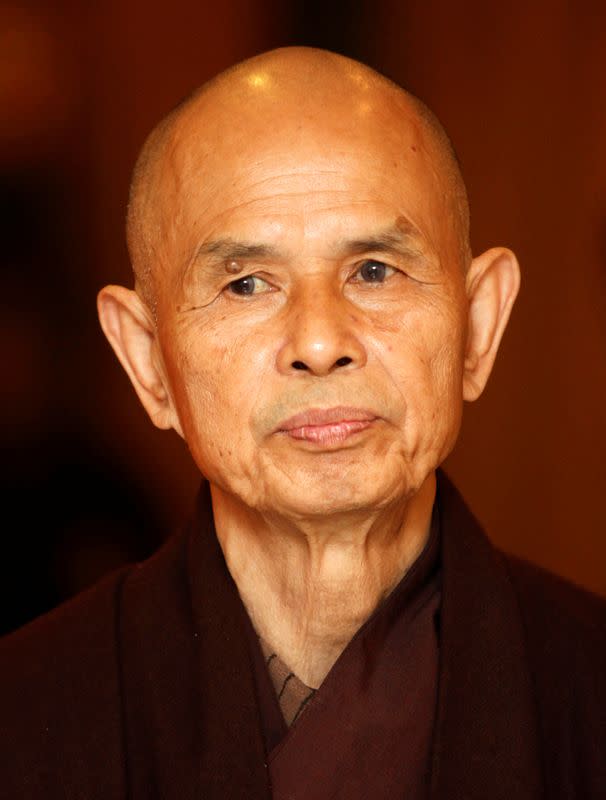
(316,417)
(327,427)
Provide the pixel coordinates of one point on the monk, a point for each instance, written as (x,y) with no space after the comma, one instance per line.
(307,315)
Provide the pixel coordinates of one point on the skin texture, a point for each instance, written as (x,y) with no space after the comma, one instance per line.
(321,184)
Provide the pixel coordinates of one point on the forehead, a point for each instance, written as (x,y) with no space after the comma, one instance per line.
(306,168)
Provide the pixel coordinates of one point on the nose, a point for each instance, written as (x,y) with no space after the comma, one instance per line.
(321,334)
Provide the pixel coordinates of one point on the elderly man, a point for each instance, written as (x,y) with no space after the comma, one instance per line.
(332,624)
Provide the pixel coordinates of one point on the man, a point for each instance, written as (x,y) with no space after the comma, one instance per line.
(333,624)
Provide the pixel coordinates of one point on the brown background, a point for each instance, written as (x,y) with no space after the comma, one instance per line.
(521,89)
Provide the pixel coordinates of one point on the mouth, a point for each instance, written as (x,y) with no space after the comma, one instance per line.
(328,426)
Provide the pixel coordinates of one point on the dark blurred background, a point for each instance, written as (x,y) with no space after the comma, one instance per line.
(87,482)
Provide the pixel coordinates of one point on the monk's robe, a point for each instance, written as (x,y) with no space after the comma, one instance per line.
(366,732)
(144,687)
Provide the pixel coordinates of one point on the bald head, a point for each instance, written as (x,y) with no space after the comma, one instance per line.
(265,97)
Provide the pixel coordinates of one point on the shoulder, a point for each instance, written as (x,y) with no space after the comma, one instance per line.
(565,631)
(83,628)
(48,661)
(58,694)
(72,630)
(62,685)
(558,613)
(48,655)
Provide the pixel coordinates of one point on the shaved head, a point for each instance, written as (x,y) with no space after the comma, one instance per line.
(306,82)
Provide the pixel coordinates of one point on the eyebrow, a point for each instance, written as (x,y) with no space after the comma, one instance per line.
(231,250)
(402,237)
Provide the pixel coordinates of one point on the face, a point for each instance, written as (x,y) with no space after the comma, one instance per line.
(310,267)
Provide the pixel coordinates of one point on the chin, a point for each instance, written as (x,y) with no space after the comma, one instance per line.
(323,498)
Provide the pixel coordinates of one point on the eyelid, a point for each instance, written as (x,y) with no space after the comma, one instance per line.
(385,262)
(359,264)
(250,275)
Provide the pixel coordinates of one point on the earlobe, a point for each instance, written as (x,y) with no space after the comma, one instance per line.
(492,284)
(131,331)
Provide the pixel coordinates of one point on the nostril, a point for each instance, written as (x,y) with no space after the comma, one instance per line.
(343,362)
(299,365)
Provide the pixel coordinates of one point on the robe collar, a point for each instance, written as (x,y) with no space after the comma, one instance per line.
(486,742)
(192,719)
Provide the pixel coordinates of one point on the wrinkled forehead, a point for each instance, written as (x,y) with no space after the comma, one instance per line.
(281,151)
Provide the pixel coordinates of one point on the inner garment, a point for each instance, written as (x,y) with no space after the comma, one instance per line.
(293,695)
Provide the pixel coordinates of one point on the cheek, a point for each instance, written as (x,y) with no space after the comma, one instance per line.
(423,336)
(441,405)
(423,354)
(214,384)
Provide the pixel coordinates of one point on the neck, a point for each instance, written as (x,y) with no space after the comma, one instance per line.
(308,585)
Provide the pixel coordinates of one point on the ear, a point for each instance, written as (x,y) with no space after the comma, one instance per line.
(492,284)
(129,326)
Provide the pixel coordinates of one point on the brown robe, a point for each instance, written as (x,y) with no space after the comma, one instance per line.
(143,687)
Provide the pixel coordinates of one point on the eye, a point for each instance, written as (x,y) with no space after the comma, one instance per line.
(250,284)
(374,271)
